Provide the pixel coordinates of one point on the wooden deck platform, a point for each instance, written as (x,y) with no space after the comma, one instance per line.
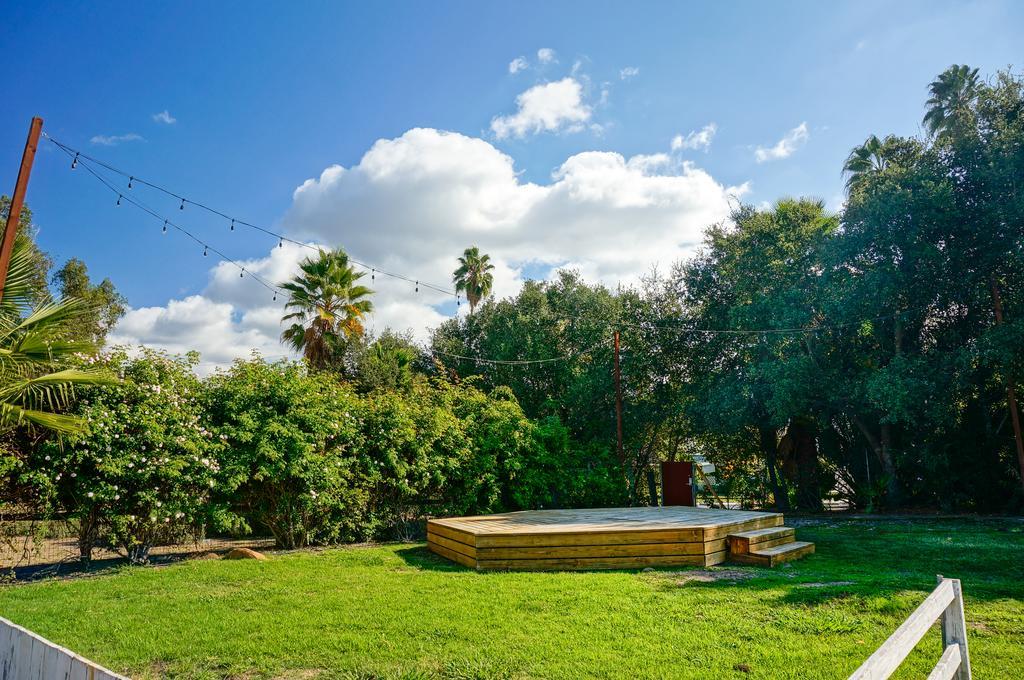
(610,538)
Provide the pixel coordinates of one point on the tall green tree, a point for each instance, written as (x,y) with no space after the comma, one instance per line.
(329,307)
(473,277)
(953,94)
(760,271)
(106,304)
(863,160)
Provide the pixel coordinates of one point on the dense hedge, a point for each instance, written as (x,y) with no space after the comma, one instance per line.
(307,458)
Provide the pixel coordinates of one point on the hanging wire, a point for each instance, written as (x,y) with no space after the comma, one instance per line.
(279,236)
(672,325)
(85,160)
(85,163)
(519,362)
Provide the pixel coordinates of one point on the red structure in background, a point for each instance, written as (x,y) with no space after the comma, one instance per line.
(677,483)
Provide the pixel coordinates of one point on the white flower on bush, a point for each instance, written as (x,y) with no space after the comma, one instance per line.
(90,494)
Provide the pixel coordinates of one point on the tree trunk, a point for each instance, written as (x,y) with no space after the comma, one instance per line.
(769,440)
(1011,395)
(882,446)
(799,448)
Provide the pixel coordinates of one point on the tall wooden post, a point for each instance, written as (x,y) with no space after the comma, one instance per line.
(618,407)
(1011,394)
(18,200)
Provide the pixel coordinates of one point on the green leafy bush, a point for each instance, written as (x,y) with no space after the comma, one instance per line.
(291,442)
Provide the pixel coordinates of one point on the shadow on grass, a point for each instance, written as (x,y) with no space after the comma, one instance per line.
(420,557)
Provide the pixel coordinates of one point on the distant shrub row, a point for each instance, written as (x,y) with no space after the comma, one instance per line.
(270,448)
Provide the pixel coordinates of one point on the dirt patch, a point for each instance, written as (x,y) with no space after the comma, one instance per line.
(206,556)
(826,584)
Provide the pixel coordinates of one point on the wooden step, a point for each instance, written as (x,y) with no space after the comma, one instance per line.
(743,542)
(769,557)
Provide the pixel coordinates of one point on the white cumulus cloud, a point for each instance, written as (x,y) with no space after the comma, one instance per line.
(785,147)
(550,107)
(114,140)
(697,139)
(546,55)
(518,64)
(164,117)
(413,203)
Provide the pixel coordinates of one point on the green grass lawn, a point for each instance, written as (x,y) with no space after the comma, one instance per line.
(397,611)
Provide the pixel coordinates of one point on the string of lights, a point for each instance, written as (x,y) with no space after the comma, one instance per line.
(133,180)
(674,325)
(87,162)
(519,362)
(168,223)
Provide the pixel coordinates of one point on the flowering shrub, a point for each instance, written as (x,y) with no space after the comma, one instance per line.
(289,458)
(144,469)
(272,448)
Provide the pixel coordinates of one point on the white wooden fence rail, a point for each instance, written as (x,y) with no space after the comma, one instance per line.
(945,603)
(27,656)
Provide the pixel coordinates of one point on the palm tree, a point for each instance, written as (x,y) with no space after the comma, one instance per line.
(473,277)
(864,160)
(34,346)
(952,94)
(329,306)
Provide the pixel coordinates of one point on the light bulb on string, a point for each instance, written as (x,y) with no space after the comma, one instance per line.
(373,274)
(417,286)
(275,296)
(130,180)
(165,226)
(182,206)
(119,199)
(205,248)
(74,162)
(241,273)
(232,225)
(280,243)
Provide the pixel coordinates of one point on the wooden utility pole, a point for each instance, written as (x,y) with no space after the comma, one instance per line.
(18,200)
(1011,394)
(618,406)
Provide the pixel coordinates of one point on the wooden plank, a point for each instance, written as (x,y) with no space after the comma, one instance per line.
(589,538)
(23,655)
(56,664)
(604,520)
(948,666)
(745,541)
(893,651)
(79,670)
(723,530)
(954,628)
(625,550)
(593,563)
(441,529)
(464,560)
(467,550)
(714,558)
(35,664)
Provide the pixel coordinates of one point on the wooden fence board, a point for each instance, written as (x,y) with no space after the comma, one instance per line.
(945,603)
(27,656)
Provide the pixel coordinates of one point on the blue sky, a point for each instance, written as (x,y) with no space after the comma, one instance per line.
(267,95)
